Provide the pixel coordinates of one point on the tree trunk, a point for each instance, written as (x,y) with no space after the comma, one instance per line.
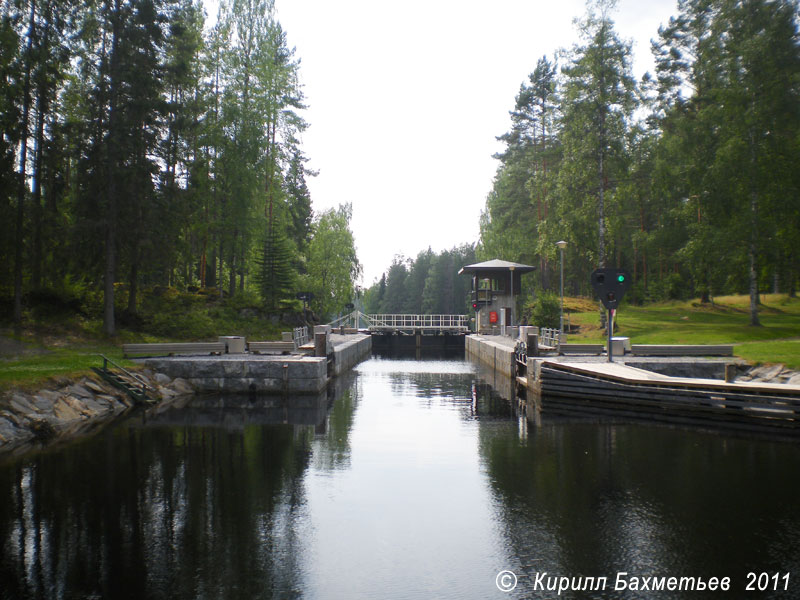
(36,200)
(133,281)
(755,300)
(241,267)
(221,255)
(601,246)
(232,266)
(22,183)
(753,287)
(109,325)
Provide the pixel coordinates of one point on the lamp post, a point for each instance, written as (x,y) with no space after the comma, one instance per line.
(561,245)
(511,317)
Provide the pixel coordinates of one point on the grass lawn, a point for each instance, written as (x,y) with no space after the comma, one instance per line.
(58,341)
(40,363)
(724,322)
(70,347)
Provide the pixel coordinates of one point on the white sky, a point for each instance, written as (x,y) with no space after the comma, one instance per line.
(406,100)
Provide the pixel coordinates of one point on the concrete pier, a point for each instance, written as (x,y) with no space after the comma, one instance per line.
(493,351)
(497,352)
(677,389)
(349,350)
(256,374)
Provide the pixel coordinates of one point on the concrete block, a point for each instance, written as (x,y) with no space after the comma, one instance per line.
(308,369)
(263,369)
(232,368)
(620,345)
(202,369)
(504,361)
(234,344)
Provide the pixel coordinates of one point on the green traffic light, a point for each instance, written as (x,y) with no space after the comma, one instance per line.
(621,278)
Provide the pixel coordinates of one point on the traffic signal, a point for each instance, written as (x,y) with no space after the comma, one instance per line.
(610,285)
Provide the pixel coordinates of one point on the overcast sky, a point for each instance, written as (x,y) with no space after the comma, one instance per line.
(406,100)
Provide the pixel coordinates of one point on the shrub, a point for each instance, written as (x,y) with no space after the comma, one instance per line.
(547,310)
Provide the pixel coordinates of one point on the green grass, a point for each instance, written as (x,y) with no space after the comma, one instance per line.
(786,352)
(59,343)
(34,369)
(725,322)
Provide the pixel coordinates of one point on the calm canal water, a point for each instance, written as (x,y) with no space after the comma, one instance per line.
(414,481)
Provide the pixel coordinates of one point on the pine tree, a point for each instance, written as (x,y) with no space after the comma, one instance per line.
(275,274)
(598,101)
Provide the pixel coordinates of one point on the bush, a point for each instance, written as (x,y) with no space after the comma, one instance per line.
(670,287)
(547,310)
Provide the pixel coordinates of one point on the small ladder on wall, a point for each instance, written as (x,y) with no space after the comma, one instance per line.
(124,380)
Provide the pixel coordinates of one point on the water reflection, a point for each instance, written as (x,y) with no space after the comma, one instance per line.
(203,500)
(415,479)
(596,499)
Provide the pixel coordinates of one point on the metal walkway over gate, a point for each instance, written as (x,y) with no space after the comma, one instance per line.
(405,324)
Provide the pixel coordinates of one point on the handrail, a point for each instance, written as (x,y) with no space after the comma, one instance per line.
(300,336)
(404,321)
(337,322)
(549,337)
(133,376)
(420,321)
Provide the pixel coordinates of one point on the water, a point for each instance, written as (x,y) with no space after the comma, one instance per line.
(418,481)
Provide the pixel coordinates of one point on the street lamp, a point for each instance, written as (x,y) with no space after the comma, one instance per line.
(511,308)
(561,245)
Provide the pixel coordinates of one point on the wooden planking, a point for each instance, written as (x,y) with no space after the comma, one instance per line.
(174,348)
(271,346)
(625,391)
(663,396)
(627,374)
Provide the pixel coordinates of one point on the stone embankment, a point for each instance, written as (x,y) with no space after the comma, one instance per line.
(771,374)
(67,408)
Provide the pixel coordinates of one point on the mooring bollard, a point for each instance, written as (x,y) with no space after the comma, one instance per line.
(533,344)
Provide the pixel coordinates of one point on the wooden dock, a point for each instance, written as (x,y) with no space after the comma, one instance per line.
(623,391)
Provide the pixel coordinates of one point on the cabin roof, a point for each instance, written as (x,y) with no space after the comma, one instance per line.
(497,265)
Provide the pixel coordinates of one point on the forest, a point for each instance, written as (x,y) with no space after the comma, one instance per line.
(428,284)
(688,178)
(145,149)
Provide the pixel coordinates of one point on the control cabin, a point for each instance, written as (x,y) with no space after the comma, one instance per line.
(495,283)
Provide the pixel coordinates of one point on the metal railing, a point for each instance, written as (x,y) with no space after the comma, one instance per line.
(456,323)
(349,320)
(549,337)
(404,322)
(300,336)
(137,378)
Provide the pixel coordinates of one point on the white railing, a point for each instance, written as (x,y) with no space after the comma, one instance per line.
(404,322)
(352,319)
(549,337)
(300,336)
(456,323)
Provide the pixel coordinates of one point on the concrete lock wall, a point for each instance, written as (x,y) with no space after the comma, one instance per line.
(498,357)
(348,354)
(291,374)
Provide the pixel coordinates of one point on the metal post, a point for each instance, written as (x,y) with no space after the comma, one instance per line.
(561,245)
(610,330)
(511,308)
(561,321)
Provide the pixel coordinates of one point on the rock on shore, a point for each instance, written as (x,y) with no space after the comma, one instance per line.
(771,374)
(67,408)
